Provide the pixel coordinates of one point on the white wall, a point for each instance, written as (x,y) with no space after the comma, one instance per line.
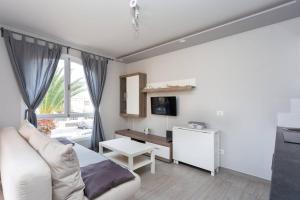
(250,76)
(12,108)
(110,104)
(10,98)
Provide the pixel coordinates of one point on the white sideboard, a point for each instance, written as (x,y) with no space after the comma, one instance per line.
(199,148)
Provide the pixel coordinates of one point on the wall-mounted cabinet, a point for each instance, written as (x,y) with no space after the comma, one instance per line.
(132,99)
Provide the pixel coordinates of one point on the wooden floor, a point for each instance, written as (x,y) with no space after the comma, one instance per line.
(182,182)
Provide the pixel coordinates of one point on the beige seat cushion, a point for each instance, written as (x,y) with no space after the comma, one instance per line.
(67,183)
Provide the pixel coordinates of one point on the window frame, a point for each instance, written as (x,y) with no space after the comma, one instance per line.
(67,91)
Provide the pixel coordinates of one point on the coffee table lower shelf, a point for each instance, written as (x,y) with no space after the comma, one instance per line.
(138,161)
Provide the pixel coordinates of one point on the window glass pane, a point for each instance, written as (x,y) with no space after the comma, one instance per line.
(79,94)
(53,103)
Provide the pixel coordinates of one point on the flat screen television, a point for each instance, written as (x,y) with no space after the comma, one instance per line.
(164,106)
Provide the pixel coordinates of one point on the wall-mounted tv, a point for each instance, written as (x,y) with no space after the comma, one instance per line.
(164,106)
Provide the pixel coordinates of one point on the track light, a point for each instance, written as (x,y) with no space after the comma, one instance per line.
(135,13)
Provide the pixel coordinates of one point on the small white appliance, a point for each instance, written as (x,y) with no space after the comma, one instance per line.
(196,125)
(292,118)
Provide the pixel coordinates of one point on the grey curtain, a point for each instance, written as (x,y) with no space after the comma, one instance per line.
(95,69)
(34,63)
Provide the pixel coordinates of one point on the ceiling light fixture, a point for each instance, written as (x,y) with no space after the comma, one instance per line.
(135,13)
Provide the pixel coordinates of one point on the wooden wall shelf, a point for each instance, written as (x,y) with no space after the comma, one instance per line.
(169,89)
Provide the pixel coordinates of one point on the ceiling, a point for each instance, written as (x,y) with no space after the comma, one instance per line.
(104,26)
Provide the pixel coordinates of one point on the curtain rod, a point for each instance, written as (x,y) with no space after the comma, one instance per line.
(67,47)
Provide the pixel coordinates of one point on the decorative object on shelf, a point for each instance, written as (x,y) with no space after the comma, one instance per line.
(170,86)
(169,135)
(135,13)
(169,89)
(147,131)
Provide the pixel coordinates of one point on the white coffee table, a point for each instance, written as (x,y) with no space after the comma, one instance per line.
(129,153)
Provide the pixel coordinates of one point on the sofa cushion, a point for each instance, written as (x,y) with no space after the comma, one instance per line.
(27,129)
(67,183)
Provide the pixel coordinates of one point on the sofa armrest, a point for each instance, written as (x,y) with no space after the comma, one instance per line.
(24,174)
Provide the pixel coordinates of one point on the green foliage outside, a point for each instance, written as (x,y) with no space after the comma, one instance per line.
(53,103)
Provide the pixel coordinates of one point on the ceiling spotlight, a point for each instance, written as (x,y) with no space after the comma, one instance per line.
(135,13)
(133,3)
(182,40)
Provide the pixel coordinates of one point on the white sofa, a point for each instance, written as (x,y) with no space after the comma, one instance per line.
(26,176)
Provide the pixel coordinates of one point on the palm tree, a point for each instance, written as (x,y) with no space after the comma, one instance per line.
(53,102)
